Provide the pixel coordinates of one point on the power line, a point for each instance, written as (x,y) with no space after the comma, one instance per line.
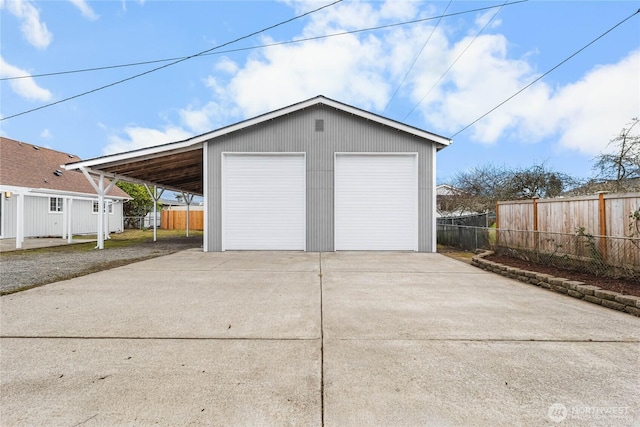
(108,67)
(455,61)
(416,59)
(172,63)
(545,74)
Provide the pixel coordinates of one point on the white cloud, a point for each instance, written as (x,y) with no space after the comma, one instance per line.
(227,65)
(482,78)
(33,29)
(140,137)
(364,69)
(205,119)
(86,10)
(399,10)
(595,108)
(124,4)
(489,18)
(46,134)
(582,116)
(344,68)
(25,87)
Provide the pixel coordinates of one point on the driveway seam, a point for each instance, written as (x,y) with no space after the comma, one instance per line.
(321,346)
(106,338)
(498,340)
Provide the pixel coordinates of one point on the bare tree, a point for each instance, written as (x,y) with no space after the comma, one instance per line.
(479,189)
(623,163)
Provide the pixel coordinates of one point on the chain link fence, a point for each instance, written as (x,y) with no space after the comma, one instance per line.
(602,256)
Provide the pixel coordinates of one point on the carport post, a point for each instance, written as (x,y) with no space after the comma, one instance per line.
(188,198)
(101,212)
(101,191)
(155,196)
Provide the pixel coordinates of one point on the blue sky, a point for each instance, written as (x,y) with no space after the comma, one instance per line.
(565,119)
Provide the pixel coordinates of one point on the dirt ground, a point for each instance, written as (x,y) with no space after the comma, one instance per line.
(623,286)
(26,269)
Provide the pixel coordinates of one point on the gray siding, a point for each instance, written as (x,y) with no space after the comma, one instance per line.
(9,209)
(39,222)
(343,132)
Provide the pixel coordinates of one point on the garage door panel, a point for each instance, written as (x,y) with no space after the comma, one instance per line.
(264,202)
(376,202)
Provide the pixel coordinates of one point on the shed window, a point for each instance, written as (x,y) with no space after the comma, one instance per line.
(96,209)
(319,125)
(55,204)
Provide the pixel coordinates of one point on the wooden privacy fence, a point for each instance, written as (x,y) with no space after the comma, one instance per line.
(177,220)
(601,227)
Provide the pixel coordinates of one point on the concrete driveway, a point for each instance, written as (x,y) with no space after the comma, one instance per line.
(336,339)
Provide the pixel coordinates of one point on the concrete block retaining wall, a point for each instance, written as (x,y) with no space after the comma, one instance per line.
(594,294)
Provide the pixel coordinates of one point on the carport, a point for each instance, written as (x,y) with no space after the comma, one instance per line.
(175,167)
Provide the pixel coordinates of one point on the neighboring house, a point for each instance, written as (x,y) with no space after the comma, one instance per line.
(448,202)
(318,175)
(35,176)
(630,185)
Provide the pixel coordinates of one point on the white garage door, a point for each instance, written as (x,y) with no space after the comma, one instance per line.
(376,202)
(264,202)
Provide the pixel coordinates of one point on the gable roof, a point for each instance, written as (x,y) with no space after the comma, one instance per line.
(30,166)
(178,165)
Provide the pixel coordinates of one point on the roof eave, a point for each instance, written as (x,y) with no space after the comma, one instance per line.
(190,144)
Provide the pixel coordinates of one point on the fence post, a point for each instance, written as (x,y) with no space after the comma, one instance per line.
(475,233)
(497,223)
(535,224)
(602,222)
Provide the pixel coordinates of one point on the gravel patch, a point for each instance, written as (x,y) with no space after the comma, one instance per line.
(28,269)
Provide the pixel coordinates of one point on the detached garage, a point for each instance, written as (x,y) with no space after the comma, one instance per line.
(319,175)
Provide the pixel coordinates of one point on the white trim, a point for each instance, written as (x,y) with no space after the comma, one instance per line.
(434,203)
(266,154)
(45,192)
(3,213)
(321,100)
(416,201)
(205,192)
(113,159)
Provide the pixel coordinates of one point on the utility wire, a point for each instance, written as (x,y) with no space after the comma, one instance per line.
(259,46)
(416,59)
(545,74)
(455,61)
(172,63)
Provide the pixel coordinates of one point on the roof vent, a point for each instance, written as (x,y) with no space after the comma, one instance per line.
(319,125)
(35,147)
(58,172)
(70,156)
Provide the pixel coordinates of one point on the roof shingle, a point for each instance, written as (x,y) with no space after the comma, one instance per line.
(31,166)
